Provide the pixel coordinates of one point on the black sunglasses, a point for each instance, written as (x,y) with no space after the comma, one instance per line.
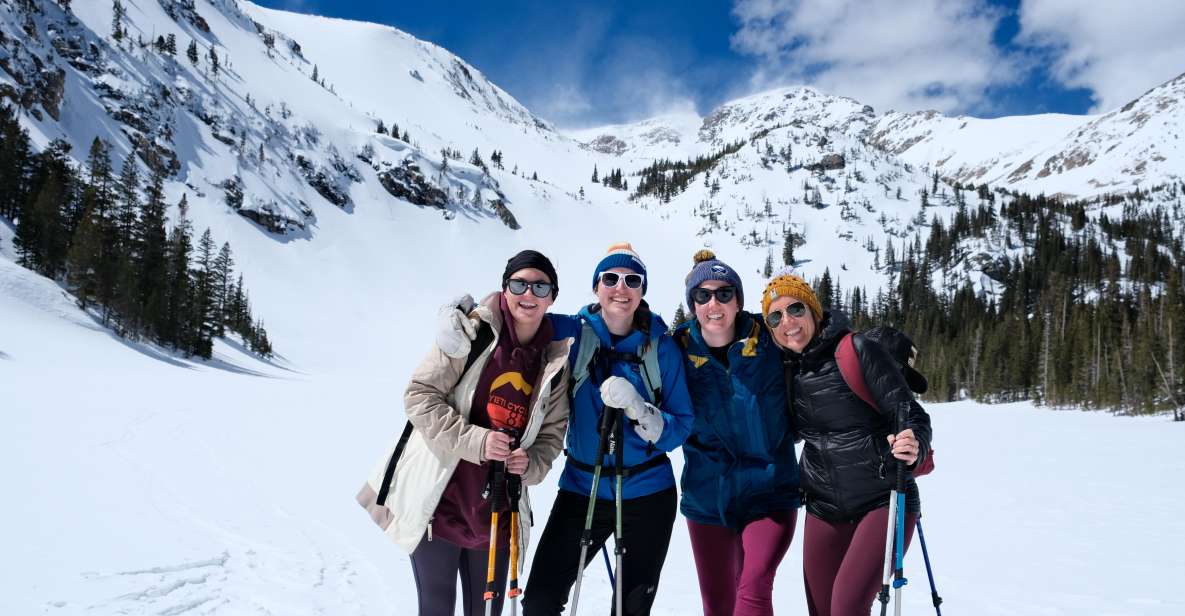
(774,318)
(723,295)
(538,288)
(610,279)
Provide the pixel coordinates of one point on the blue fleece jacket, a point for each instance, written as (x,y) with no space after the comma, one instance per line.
(739,460)
(587,407)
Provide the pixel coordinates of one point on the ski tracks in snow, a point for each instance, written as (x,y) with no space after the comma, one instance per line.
(259,580)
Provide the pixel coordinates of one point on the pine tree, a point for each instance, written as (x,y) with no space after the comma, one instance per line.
(202,321)
(768,270)
(176,330)
(15,157)
(679,318)
(316,74)
(788,248)
(595,180)
(824,289)
(152,257)
(42,233)
(214,63)
(191,52)
(117,14)
(127,205)
(382,128)
(223,277)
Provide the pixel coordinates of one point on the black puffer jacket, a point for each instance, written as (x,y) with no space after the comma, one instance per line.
(846,466)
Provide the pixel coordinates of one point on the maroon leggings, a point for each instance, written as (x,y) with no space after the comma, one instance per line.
(844,562)
(736,569)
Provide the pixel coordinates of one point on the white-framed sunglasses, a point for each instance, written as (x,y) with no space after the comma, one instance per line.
(633,281)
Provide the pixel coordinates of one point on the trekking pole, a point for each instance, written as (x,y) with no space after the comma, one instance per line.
(607,419)
(514,490)
(497,487)
(618,534)
(929,572)
(899,570)
(895,530)
(883,595)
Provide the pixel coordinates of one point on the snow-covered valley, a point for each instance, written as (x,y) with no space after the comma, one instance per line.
(140,481)
(138,486)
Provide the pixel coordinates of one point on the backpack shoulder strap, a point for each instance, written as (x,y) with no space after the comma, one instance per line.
(585,352)
(651,372)
(850,370)
(485,335)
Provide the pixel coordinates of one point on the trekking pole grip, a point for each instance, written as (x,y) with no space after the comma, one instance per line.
(900,421)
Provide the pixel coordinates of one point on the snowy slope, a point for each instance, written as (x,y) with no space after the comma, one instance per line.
(141,482)
(1078,156)
(1136,145)
(127,496)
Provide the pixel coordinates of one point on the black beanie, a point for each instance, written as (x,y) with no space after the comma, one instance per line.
(535,260)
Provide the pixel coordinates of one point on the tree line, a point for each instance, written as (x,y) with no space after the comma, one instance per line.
(1069,322)
(104,236)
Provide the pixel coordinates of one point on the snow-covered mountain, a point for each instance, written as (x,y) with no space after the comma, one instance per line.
(276,116)
(1138,145)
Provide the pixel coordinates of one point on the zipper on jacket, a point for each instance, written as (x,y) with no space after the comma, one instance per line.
(430,527)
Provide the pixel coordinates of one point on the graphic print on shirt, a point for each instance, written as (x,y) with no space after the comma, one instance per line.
(510,394)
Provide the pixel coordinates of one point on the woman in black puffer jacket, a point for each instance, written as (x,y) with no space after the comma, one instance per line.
(848,450)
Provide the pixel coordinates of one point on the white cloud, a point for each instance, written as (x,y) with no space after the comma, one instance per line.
(905,55)
(590,76)
(1118,50)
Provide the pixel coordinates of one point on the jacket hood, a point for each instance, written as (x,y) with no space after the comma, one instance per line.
(592,315)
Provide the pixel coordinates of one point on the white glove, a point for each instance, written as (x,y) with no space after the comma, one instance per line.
(454,330)
(619,393)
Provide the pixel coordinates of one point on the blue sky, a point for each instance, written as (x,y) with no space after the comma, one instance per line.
(589,63)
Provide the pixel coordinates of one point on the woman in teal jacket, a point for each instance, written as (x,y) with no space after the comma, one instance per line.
(740,478)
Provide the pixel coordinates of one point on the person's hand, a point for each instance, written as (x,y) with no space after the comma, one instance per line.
(904,446)
(497,446)
(454,330)
(619,393)
(517,461)
(649,423)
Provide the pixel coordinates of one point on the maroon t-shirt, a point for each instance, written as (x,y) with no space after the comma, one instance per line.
(502,399)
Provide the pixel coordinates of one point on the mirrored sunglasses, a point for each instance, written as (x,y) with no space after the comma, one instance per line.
(538,288)
(774,318)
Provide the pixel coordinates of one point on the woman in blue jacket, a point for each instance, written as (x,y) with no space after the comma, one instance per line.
(631,344)
(740,479)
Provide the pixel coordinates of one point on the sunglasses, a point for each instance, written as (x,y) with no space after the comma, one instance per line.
(633,281)
(774,318)
(723,295)
(538,288)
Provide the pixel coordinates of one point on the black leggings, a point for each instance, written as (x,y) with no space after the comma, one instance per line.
(436,565)
(646,528)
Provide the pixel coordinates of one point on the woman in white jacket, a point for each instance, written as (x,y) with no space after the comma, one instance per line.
(438,501)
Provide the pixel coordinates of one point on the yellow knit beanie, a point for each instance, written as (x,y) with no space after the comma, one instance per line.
(789,285)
